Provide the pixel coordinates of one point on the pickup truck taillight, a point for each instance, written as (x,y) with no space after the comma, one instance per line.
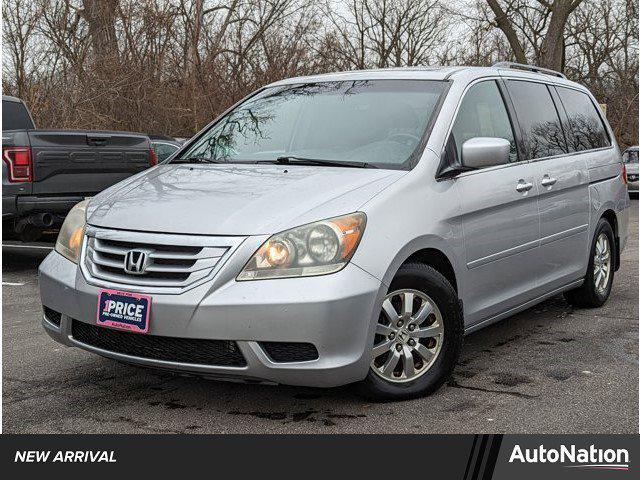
(624,173)
(153,158)
(19,164)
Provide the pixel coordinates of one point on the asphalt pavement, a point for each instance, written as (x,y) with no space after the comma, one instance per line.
(550,369)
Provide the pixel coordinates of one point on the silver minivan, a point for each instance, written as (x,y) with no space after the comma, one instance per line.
(349,227)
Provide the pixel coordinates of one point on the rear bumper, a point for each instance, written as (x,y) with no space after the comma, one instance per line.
(8,206)
(23,205)
(336,313)
(51,204)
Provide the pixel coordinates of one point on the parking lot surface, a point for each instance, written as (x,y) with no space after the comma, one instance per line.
(550,369)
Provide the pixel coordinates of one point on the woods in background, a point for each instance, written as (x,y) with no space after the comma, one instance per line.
(170,66)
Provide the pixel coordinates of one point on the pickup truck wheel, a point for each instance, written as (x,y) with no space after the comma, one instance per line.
(29,233)
(595,290)
(418,336)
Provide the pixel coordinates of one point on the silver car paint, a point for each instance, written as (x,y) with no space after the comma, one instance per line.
(632,169)
(508,249)
(275,197)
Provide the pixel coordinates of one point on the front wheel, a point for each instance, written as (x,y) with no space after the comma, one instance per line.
(595,290)
(418,336)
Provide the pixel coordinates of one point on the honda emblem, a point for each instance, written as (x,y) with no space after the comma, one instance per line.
(136,262)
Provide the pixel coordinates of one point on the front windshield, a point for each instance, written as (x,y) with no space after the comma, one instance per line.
(630,156)
(374,122)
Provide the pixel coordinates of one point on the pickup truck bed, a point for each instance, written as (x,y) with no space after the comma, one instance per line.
(46,172)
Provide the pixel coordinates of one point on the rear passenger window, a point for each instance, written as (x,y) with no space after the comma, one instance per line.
(585,129)
(15,116)
(542,133)
(483,114)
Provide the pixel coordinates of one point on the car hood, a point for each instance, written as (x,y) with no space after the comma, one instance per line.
(632,168)
(234,199)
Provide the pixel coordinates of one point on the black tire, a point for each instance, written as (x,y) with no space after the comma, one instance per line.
(587,296)
(428,280)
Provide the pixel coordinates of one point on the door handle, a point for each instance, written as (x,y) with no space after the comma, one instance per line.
(547,181)
(524,186)
(97,139)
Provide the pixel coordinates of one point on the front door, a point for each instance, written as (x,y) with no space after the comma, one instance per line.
(501,230)
(499,211)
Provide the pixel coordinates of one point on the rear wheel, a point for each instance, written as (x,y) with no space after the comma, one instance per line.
(595,290)
(418,336)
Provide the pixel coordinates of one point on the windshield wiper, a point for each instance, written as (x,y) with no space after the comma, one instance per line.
(197,160)
(288,160)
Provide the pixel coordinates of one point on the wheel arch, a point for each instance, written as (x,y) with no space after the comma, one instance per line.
(438,260)
(610,216)
(432,251)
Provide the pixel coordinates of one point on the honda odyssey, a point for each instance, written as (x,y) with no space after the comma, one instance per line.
(348,227)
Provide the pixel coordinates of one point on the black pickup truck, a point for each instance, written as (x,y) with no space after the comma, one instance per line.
(46,172)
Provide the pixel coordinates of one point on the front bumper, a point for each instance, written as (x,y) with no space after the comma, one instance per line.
(632,186)
(336,313)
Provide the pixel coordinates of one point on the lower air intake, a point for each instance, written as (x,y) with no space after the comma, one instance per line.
(290,351)
(223,353)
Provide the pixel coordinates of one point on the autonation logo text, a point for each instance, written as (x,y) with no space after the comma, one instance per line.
(573,457)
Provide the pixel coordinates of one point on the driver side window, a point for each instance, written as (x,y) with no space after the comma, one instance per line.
(483,114)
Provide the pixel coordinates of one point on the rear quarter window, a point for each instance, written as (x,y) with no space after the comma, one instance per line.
(585,128)
(15,116)
(542,133)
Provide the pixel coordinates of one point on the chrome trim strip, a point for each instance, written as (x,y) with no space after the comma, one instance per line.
(527,246)
(565,234)
(505,253)
(613,177)
(164,238)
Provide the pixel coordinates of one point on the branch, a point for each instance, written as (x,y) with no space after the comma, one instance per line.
(507,28)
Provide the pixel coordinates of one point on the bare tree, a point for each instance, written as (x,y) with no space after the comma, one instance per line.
(602,53)
(170,66)
(20,23)
(101,18)
(542,23)
(388,33)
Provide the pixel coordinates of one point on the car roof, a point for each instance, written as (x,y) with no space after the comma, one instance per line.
(429,73)
(9,98)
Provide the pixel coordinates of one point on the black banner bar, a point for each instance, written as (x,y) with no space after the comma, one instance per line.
(456,457)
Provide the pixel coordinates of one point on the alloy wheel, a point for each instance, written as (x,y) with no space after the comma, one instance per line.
(602,264)
(409,336)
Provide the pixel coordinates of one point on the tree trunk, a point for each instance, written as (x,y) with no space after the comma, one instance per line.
(552,50)
(195,63)
(101,17)
(504,24)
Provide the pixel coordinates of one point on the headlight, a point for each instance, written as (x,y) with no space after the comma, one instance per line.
(313,249)
(71,234)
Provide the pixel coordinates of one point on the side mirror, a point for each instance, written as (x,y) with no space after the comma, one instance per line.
(480,152)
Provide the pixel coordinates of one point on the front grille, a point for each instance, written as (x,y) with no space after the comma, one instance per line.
(632,178)
(52,316)
(290,351)
(224,353)
(173,266)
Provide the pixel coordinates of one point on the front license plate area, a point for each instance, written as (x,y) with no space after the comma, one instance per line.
(124,310)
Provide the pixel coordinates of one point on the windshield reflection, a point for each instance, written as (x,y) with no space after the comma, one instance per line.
(377,122)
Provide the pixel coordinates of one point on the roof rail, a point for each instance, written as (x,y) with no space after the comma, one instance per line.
(530,68)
